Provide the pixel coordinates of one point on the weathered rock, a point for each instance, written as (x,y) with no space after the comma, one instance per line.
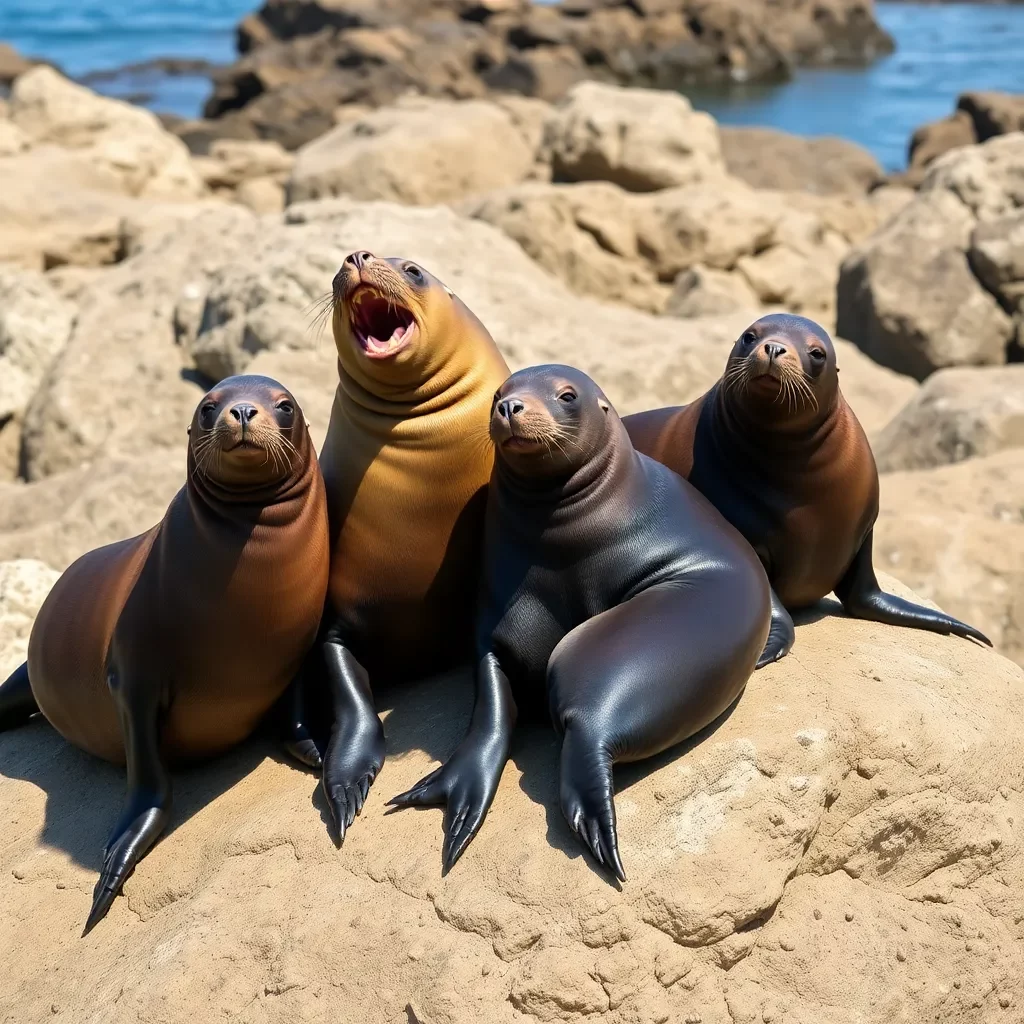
(231,162)
(124,141)
(875,393)
(988,179)
(121,384)
(639,139)
(767,158)
(958,533)
(24,585)
(997,258)
(932,140)
(957,414)
(908,297)
(261,195)
(702,291)
(419,151)
(59,518)
(833,848)
(12,139)
(13,64)
(993,113)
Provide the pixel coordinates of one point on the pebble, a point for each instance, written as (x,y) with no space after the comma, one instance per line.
(817,915)
(1004,1001)
(849,915)
(901,956)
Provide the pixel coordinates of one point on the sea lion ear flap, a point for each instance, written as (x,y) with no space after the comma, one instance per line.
(605,404)
(451,294)
(188,430)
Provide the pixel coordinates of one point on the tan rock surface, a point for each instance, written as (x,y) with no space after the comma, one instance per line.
(24,585)
(845,845)
(704,291)
(418,151)
(123,140)
(957,414)
(639,139)
(957,533)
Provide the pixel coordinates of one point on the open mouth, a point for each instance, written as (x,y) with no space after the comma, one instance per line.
(381,326)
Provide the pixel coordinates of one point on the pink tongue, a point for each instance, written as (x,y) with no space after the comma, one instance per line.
(380,346)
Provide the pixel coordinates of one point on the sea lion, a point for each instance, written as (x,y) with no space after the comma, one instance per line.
(406,463)
(613,581)
(781,455)
(170,646)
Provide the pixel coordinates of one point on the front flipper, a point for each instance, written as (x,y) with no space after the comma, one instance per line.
(781,634)
(295,734)
(466,783)
(17,703)
(355,751)
(862,598)
(148,803)
(586,794)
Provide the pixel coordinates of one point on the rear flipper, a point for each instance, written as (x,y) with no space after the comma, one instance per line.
(641,677)
(293,714)
(148,801)
(781,634)
(17,704)
(864,599)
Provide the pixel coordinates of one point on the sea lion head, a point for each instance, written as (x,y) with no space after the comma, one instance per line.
(248,432)
(548,422)
(397,327)
(783,367)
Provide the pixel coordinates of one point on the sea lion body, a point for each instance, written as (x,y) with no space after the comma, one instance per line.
(614,595)
(779,452)
(171,646)
(406,463)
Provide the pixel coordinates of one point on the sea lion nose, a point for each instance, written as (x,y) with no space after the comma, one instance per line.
(359,259)
(510,407)
(244,412)
(772,349)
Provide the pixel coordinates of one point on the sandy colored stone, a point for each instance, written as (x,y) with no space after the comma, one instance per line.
(908,295)
(261,195)
(24,585)
(122,384)
(988,179)
(957,414)
(418,151)
(846,844)
(239,160)
(958,533)
(997,258)
(122,139)
(702,291)
(12,139)
(639,139)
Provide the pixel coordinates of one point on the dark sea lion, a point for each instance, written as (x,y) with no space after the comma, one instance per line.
(612,591)
(171,646)
(406,463)
(781,455)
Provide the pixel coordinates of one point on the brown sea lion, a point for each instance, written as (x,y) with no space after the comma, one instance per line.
(781,455)
(171,646)
(613,593)
(406,463)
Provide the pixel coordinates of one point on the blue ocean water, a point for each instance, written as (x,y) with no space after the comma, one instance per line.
(942,50)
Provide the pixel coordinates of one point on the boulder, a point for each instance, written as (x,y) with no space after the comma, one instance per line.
(12,139)
(988,179)
(419,151)
(957,531)
(639,139)
(13,64)
(997,258)
(261,195)
(908,297)
(124,141)
(935,138)
(230,162)
(767,158)
(957,414)
(703,291)
(24,585)
(826,853)
(875,393)
(121,383)
(993,113)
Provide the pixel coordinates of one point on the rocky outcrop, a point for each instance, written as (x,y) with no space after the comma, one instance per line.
(303,58)
(830,851)
(419,151)
(13,64)
(957,414)
(632,248)
(979,116)
(766,158)
(640,139)
(940,284)
(24,585)
(957,532)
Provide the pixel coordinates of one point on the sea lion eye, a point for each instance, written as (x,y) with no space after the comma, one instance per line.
(286,407)
(818,355)
(567,396)
(748,338)
(413,271)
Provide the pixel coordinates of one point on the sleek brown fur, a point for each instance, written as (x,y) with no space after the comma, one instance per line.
(171,646)
(406,463)
(779,452)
